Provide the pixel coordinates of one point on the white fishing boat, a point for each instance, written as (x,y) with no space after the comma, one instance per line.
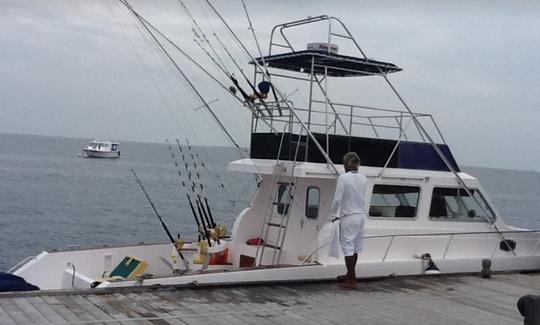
(424,213)
(102,149)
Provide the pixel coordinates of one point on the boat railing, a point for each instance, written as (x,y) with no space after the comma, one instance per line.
(451,238)
(345,119)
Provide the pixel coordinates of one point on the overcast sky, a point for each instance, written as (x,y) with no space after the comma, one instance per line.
(83,68)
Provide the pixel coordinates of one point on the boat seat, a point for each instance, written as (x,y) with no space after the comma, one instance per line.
(404,211)
(438,207)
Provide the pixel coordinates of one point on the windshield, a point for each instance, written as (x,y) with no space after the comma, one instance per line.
(456,204)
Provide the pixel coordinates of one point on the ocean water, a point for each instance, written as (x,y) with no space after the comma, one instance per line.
(51,198)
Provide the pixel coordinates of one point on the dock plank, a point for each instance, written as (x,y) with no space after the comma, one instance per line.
(5,318)
(59,308)
(458,299)
(47,311)
(15,313)
(30,311)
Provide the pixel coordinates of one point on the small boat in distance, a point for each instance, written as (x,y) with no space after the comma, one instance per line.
(102,149)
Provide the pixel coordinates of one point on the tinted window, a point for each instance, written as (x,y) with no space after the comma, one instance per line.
(455,204)
(312,202)
(394,201)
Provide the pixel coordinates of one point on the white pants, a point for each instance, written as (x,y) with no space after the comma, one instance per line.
(351,234)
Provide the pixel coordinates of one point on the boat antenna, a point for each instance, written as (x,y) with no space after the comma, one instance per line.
(201,226)
(160,218)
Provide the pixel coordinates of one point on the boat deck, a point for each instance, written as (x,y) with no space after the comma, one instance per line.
(459,299)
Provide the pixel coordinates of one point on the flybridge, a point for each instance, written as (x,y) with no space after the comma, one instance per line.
(323,129)
(373,152)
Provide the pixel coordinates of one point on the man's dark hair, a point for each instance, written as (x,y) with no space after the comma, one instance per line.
(351,158)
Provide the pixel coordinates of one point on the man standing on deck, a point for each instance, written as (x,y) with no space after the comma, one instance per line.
(348,209)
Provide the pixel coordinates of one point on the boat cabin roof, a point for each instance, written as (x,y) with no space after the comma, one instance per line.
(323,171)
(338,65)
(103,142)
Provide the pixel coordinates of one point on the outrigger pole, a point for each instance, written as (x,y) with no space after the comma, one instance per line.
(147,23)
(292,110)
(159,217)
(251,85)
(200,224)
(229,136)
(260,53)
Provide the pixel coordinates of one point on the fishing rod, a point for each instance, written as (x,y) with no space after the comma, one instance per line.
(216,119)
(216,175)
(329,162)
(186,78)
(255,92)
(247,99)
(260,54)
(147,25)
(200,224)
(160,218)
(198,31)
(203,189)
(187,56)
(206,216)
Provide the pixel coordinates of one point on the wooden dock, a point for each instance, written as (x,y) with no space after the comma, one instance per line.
(437,300)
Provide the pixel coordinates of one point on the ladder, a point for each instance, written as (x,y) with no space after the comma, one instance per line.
(282,198)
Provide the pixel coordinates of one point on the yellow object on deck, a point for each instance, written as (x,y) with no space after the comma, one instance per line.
(129,268)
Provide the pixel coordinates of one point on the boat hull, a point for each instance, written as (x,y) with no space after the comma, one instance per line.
(88,153)
(81,268)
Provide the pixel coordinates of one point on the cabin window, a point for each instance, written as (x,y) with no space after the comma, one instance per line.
(283,199)
(313,197)
(453,204)
(394,201)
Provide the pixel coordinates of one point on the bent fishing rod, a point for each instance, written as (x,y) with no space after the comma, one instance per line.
(160,218)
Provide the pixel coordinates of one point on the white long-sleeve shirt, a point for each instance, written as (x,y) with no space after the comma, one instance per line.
(349,195)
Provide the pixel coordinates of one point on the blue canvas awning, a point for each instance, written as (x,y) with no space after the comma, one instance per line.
(337,65)
(372,151)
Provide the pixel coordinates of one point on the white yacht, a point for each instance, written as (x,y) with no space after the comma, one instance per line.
(422,208)
(102,149)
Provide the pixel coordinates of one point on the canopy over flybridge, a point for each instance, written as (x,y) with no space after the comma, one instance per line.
(336,65)
(320,128)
